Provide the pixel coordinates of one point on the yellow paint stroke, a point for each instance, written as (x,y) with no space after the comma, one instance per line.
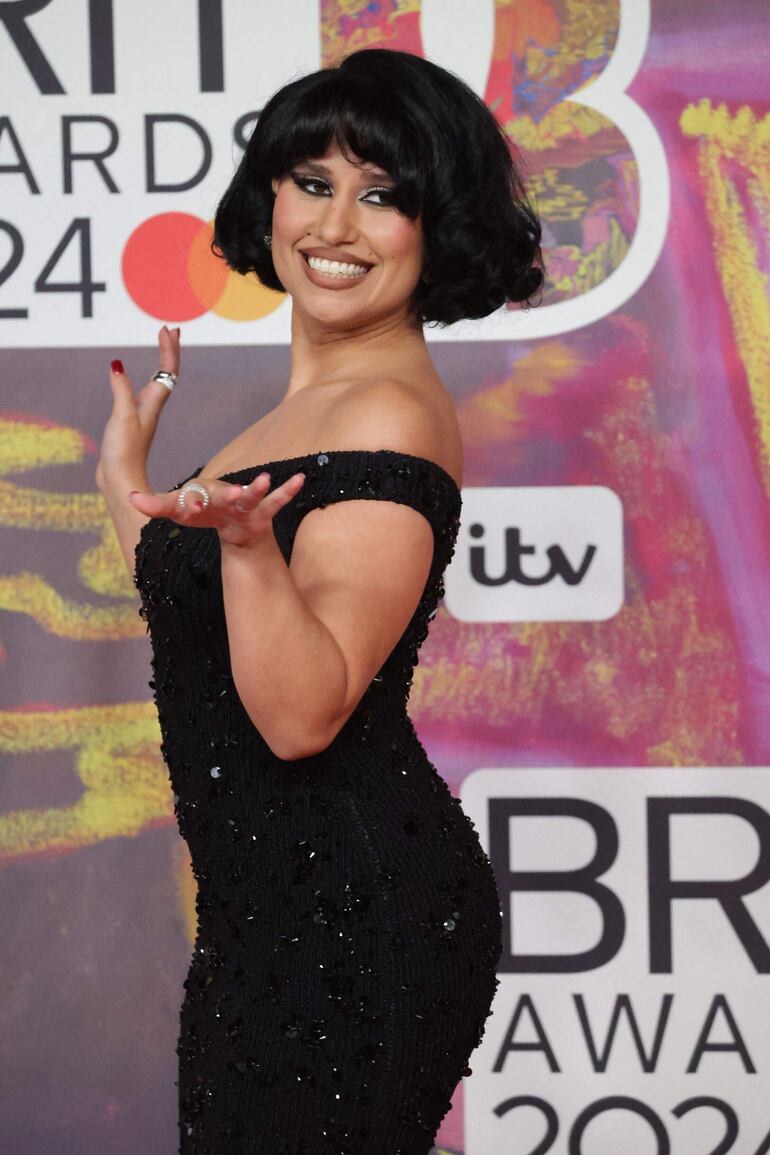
(29,593)
(113,752)
(587,29)
(28,445)
(35,445)
(557,199)
(585,270)
(743,138)
(565,122)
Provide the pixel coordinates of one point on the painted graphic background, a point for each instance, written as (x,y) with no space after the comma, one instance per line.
(663,398)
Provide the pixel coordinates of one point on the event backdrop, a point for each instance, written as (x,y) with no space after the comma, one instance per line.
(595,684)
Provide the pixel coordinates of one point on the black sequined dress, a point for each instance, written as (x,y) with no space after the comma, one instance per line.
(349,924)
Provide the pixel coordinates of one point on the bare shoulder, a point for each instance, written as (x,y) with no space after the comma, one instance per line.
(388,413)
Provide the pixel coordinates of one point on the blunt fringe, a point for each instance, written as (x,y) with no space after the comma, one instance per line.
(446,152)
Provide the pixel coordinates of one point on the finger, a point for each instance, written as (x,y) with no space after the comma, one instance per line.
(280,496)
(168,360)
(245,498)
(168,345)
(155,394)
(122,389)
(168,505)
(151,504)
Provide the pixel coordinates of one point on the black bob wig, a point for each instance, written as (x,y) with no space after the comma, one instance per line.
(446,152)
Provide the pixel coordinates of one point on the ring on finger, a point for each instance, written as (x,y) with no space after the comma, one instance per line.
(166,378)
(197,488)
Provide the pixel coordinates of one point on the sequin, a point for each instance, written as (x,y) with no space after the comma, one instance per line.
(349,926)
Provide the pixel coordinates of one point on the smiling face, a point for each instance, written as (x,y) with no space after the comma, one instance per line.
(329,209)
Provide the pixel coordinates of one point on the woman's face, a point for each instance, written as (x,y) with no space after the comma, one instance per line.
(328,208)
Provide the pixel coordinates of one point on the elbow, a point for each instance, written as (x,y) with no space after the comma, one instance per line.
(295,747)
(286,737)
(294,738)
(295,743)
(306,743)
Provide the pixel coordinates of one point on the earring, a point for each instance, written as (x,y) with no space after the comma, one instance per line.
(268,239)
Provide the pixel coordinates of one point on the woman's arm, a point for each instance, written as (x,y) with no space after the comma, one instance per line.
(126,519)
(306,639)
(287,667)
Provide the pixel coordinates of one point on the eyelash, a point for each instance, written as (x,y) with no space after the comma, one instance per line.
(302,181)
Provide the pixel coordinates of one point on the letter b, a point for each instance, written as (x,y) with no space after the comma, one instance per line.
(580,880)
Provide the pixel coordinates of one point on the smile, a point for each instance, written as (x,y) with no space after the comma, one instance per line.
(336,268)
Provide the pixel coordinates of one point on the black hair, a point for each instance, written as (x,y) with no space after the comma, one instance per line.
(446,152)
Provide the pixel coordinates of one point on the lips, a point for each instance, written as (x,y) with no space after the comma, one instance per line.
(335,255)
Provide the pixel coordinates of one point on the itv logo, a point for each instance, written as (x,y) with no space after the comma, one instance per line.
(541,553)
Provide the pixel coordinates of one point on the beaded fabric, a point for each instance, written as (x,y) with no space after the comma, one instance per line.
(349,923)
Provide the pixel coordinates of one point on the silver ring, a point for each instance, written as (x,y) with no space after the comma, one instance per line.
(194,485)
(238,505)
(167,379)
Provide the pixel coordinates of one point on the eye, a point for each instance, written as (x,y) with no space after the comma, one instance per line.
(303,181)
(386,192)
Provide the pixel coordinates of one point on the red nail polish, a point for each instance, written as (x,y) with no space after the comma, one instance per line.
(117,367)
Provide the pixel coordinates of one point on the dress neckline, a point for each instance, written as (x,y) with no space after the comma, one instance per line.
(336,453)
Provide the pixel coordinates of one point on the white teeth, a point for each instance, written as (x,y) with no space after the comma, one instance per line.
(336,268)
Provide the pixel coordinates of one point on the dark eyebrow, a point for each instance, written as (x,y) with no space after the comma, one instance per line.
(368,171)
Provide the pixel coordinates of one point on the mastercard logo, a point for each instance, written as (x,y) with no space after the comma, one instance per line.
(171,273)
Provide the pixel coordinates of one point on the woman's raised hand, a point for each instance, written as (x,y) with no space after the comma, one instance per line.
(241,514)
(131,427)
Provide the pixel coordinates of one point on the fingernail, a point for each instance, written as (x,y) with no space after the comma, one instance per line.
(117,367)
(133,491)
(166,328)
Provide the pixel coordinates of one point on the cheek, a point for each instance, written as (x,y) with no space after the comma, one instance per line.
(290,217)
(403,241)
(282,215)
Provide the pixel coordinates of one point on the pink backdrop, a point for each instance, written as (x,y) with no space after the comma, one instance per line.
(663,400)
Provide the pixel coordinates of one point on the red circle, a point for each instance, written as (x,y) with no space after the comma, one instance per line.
(156,273)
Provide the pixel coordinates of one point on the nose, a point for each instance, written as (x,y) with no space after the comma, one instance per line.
(336,222)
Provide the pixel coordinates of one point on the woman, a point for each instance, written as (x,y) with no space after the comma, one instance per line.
(349,922)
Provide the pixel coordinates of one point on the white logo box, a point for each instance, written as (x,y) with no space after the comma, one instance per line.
(702,1013)
(540,553)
